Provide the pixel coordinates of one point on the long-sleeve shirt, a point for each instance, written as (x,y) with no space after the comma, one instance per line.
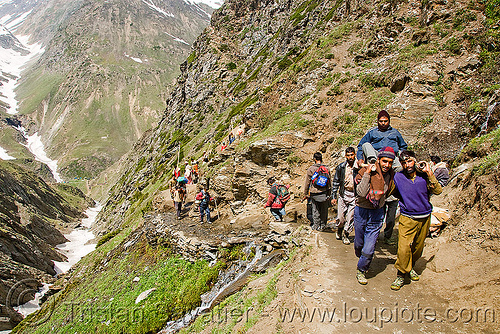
(310,188)
(363,188)
(414,194)
(380,139)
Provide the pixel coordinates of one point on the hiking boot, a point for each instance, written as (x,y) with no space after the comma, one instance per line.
(345,239)
(360,276)
(413,275)
(338,234)
(398,283)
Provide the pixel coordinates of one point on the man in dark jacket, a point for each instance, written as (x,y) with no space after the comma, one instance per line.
(343,182)
(413,190)
(318,187)
(273,200)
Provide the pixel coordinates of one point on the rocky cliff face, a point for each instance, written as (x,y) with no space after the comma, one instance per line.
(32,214)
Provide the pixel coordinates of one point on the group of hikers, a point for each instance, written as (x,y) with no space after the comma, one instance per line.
(178,190)
(367,188)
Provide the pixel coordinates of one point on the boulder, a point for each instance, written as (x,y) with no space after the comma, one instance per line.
(399,83)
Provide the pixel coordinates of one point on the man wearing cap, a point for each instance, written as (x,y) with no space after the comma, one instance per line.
(374,183)
(413,189)
(375,139)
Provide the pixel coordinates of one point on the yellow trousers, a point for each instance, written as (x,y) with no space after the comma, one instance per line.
(412,234)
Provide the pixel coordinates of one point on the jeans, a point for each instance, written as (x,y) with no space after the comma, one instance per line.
(367,225)
(278,214)
(370,153)
(204,210)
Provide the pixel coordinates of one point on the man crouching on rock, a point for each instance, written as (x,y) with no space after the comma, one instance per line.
(413,189)
(374,183)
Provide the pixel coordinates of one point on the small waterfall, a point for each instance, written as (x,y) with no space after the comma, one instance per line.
(230,281)
(489,111)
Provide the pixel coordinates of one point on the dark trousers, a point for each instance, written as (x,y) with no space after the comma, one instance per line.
(367,225)
(178,208)
(390,217)
(319,211)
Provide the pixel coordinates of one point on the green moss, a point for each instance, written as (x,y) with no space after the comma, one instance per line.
(107,237)
(191,57)
(284,63)
(453,45)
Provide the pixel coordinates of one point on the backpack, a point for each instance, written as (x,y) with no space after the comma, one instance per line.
(283,193)
(199,196)
(321,177)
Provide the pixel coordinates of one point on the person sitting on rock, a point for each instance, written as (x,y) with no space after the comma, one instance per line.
(274,202)
(413,189)
(440,170)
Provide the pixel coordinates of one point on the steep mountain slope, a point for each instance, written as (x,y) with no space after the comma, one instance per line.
(303,76)
(103,77)
(32,214)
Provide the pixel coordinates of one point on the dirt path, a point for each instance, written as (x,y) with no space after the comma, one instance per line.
(324,280)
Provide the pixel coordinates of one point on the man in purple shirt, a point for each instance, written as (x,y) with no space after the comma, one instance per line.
(413,188)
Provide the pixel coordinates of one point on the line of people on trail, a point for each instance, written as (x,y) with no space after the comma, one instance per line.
(367,188)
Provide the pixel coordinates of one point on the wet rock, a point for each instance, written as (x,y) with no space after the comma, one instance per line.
(269,260)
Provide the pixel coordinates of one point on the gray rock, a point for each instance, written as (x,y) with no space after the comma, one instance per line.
(143,295)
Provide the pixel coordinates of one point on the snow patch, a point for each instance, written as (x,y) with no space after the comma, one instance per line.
(12,62)
(158,9)
(138,60)
(77,246)
(15,23)
(177,39)
(4,155)
(33,305)
(35,146)
(211,3)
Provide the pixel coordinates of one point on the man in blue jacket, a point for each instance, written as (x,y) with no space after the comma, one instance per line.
(379,137)
(413,188)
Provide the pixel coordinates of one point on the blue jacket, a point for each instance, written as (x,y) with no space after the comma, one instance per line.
(380,139)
